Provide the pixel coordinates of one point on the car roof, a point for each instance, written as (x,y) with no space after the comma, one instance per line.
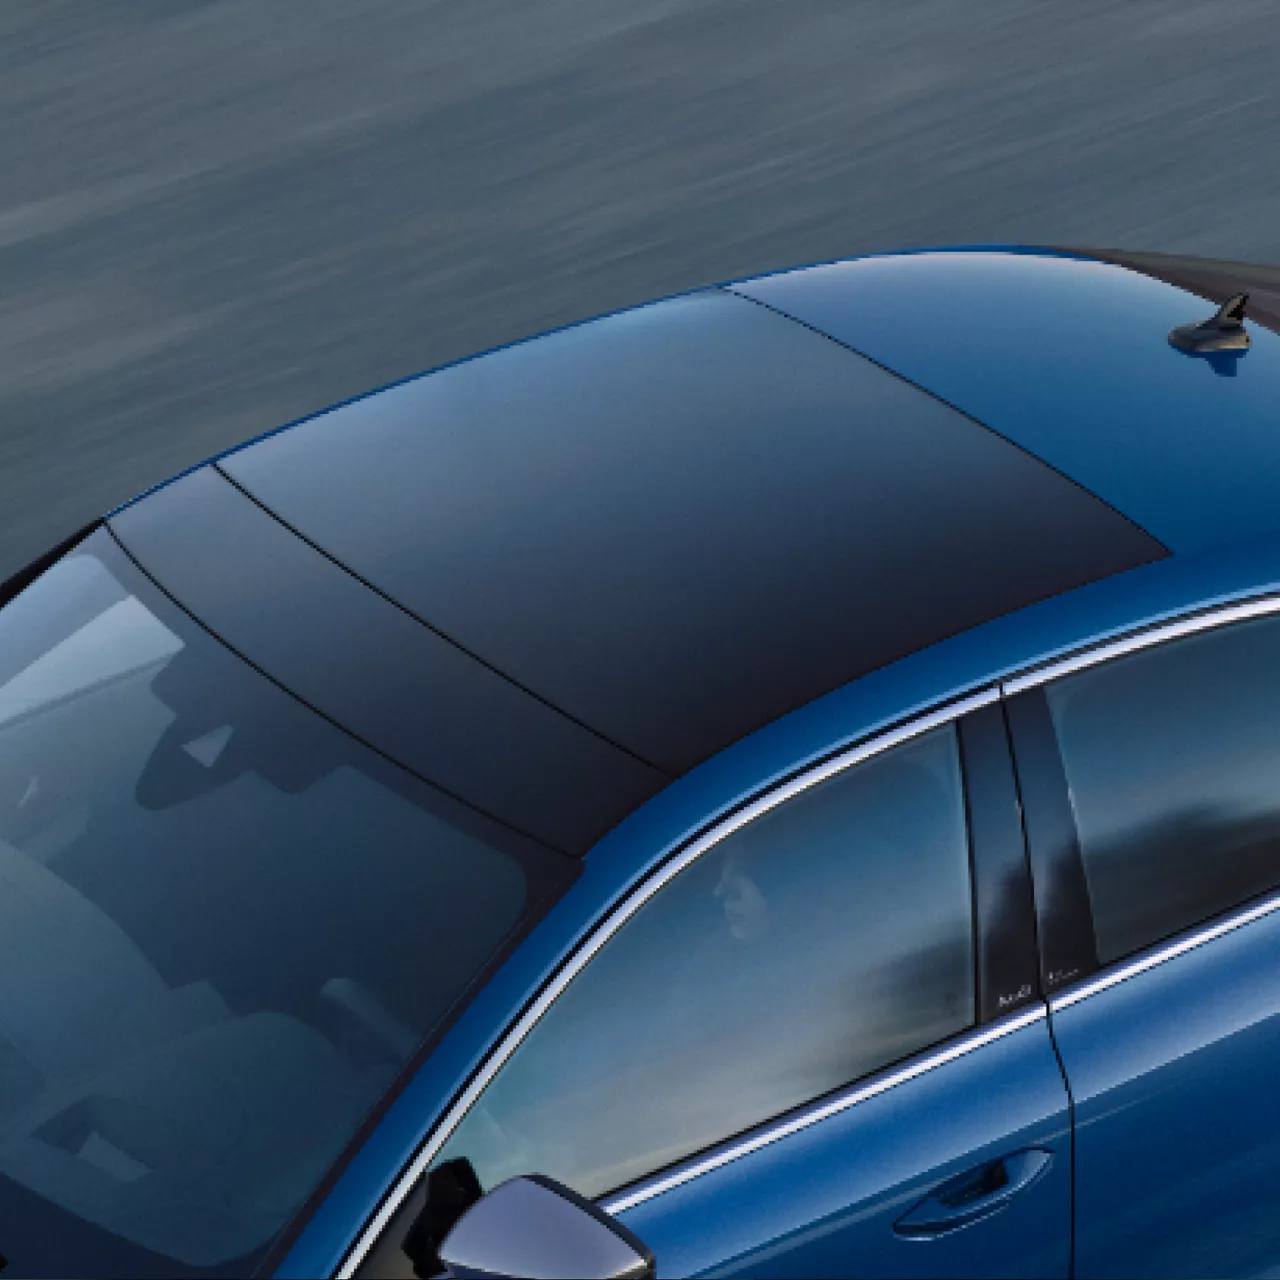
(680,522)
(1068,357)
(673,525)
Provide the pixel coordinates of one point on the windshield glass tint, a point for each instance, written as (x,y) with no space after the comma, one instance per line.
(225,926)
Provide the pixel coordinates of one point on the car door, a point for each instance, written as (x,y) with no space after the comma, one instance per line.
(793,1052)
(1151,776)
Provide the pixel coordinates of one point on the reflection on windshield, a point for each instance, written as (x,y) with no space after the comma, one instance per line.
(224,928)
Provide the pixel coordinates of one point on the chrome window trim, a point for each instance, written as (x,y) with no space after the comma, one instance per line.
(1220,616)
(1169,951)
(814,1112)
(612,920)
(1205,620)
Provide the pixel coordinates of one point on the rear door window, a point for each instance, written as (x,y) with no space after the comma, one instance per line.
(1172,761)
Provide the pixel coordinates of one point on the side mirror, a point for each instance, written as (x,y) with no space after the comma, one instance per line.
(535,1228)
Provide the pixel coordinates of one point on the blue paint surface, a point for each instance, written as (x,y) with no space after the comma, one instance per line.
(1177,1113)
(947,670)
(1070,359)
(824,1201)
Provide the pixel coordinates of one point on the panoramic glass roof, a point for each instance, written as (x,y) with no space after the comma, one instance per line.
(677,523)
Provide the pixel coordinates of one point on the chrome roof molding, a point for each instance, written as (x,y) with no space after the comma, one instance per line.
(1219,616)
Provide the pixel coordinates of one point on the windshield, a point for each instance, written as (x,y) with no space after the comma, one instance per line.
(225,927)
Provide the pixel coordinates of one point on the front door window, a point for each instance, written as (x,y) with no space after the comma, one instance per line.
(819,943)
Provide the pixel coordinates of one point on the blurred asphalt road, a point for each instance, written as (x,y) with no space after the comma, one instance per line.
(218,215)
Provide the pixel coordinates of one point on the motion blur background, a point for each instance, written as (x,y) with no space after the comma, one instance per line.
(219,215)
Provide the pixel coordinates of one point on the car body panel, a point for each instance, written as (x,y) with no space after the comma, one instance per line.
(824,1201)
(1040,372)
(1070,359)
(941,674)
(679,523)
(1177,1116)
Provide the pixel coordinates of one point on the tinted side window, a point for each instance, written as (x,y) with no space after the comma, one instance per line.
(1172,757)
(819,943)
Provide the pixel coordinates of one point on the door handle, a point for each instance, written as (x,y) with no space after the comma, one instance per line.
(974,1194)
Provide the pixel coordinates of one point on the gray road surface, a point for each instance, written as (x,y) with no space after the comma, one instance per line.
(218,215)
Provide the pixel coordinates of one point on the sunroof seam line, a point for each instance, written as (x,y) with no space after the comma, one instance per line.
(449,640)
(955,408)
(542,841)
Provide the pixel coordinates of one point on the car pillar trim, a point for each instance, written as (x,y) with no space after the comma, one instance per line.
(1158,955)
(1148,637)
(631,901)
(818,1111)
(1207,620)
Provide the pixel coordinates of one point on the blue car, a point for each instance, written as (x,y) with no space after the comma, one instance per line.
(781,781)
